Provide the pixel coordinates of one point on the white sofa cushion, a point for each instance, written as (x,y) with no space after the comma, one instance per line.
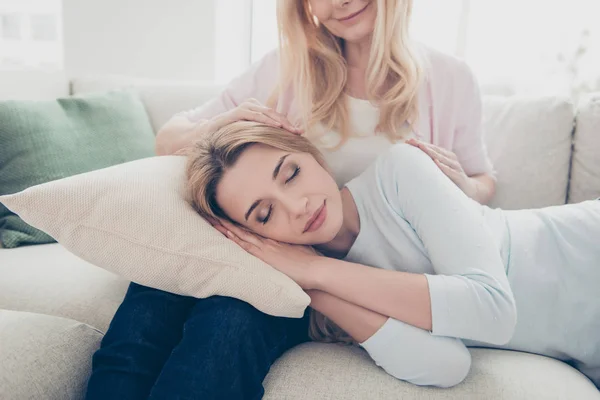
(44,357)
(48,279)
(132,219)
(529,142)
(585,167)
(162,99)
(327,371)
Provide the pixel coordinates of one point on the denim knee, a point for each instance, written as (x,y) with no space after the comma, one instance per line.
(145,312)
(227,349)
(143,332)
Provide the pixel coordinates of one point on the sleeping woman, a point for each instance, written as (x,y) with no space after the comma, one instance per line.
(400,260)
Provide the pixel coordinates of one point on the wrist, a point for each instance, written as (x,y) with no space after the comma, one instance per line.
(470,188)
(205,127)
(315,273)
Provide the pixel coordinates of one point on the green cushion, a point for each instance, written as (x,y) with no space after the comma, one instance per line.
(41,141)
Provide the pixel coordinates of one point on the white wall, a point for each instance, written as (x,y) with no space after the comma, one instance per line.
(156,39)
(33,85)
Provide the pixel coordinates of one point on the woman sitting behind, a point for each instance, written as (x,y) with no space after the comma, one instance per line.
(448,273)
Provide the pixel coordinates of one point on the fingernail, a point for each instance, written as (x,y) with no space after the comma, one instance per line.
(229,234)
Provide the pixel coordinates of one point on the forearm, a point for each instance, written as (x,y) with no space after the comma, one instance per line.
(483,188)
(469,305)
(400,295)
(403,351)
(357,321)
(178,133)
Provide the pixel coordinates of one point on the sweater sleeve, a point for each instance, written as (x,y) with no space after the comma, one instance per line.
(470,294)
(257,82)
(416,356)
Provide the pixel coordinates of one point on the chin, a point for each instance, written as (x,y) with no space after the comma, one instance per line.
(331,231)
(357,36)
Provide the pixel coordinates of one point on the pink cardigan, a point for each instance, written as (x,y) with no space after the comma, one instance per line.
(449,104)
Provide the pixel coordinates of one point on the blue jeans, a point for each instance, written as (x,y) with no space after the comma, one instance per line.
(165,346)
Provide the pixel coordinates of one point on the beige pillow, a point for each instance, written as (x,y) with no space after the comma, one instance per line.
(132,219)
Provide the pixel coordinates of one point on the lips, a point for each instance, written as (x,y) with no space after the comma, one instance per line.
(353,15)
(316,220)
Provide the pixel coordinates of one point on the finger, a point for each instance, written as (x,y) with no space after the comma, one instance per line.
(276,116)
(435,153)
(446,161)
(426,149)
(440,150)
(449,172)
(221,229)
(268,112)
(243,234)
(430,148)
(412,142)
(251,115)
(213,221)
(249,247)
(285,123)
(446,157)
(449,154)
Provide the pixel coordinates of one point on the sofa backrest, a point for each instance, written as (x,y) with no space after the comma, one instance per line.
(529,139)
(162,99)
(585,168)
(529,142)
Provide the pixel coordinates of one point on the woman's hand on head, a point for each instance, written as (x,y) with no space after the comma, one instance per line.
(296,261)
(446,161)
(253,110)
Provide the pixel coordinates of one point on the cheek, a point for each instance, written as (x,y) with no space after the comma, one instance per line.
(279,231)
(321,9)
(370,20)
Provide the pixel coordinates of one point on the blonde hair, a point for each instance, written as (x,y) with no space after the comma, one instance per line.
(209,159)
(313,65)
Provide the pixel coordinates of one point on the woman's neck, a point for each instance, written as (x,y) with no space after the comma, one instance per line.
(357,53)
(357,58)
(343,241)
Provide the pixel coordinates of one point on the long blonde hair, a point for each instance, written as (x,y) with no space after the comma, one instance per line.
(211,156)
(313,66)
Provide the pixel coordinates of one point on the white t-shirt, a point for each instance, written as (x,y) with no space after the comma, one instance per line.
(362,148)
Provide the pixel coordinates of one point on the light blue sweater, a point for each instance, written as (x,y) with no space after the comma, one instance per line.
(483,266)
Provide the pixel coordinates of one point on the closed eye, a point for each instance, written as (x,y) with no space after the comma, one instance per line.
(267,217)
(296,172)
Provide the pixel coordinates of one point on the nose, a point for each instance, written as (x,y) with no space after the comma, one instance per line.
(341,3)
(296,206)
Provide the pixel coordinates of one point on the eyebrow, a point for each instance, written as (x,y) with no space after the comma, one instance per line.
(275,173)
(278,166)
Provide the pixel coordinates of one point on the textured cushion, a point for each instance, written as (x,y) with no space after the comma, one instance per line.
(326,371)
(47,140)
(44,357)
(162,99)
(585,168)
(132,219)
(48,279)
(529,142)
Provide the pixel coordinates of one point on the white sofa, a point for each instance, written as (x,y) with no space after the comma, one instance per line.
(55,307)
